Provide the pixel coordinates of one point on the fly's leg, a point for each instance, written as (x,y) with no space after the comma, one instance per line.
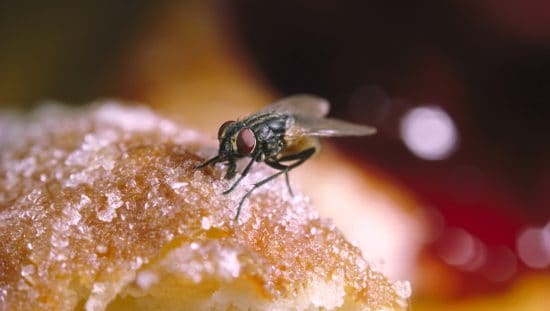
(231,168)
(277,165)
(301,157)
(244,173)
(230,173)
(288,184)
(281,167)
(208,162)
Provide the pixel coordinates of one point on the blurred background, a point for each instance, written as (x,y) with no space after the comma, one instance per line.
(459,91)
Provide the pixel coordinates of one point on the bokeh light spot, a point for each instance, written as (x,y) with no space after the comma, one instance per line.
(533,247)
(429,132)
(457,247)
(501,264)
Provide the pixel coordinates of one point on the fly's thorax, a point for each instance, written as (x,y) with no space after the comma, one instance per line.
(266,126)
(270,132)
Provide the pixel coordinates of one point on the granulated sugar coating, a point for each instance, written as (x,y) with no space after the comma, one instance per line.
(101,208)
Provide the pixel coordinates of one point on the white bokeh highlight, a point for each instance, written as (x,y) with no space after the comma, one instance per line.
(429,132)
(533,247)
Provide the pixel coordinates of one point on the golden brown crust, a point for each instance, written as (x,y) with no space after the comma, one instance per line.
(103,208)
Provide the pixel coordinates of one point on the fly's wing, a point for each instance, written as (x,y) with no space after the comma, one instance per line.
(302,105)
(307,112)
(326,127)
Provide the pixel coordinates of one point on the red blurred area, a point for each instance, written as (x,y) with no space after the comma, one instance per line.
(524,20)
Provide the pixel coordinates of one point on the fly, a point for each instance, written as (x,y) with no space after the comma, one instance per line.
(282,135)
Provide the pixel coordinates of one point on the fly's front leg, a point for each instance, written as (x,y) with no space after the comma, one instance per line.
(301,157)
(231,169)
(208,162)
(244,173)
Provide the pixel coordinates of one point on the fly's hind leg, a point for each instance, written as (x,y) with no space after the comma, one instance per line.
(284,168)
(300,158)
(288,185)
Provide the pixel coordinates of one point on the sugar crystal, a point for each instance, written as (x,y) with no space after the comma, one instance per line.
(106,214)
(205,223)
(27,270)
(146,278)
(101,249)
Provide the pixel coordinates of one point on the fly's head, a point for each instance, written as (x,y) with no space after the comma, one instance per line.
(236,141)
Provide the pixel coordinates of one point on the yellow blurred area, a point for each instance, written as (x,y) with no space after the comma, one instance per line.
(527,294)
(185,64)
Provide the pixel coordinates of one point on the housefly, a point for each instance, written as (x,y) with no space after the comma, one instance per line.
(282,135)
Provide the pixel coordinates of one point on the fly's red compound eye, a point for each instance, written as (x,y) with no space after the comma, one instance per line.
(246,141)
(224,126)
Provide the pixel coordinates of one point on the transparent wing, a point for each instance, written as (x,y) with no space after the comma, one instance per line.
(302,105)
(327,127)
